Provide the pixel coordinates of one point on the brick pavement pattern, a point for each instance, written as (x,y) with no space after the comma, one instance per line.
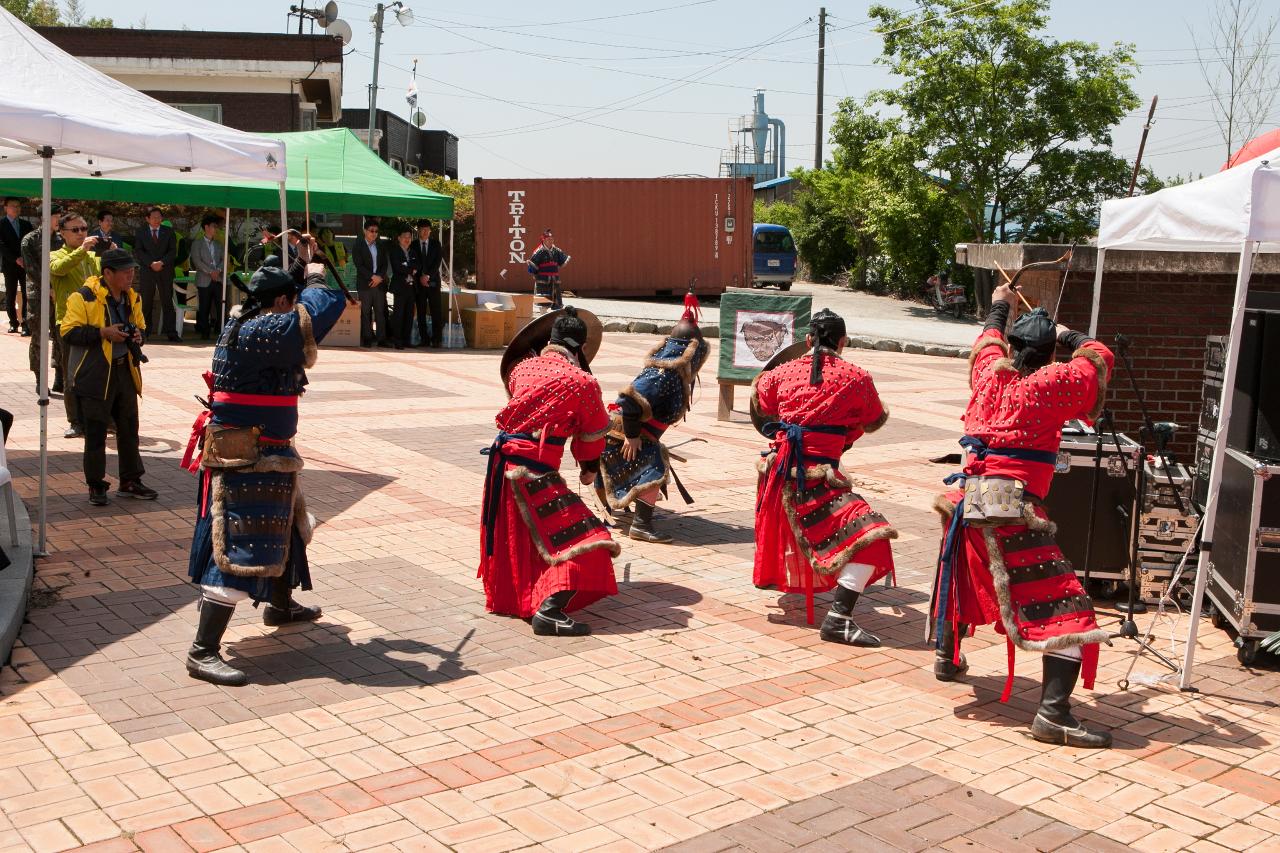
(701,712)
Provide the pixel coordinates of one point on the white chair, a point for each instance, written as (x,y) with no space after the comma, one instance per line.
(6,487)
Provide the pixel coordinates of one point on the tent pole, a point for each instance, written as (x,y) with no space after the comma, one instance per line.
(1205,564)
(284,225)
(1097,293)
(42,335)
(226,263)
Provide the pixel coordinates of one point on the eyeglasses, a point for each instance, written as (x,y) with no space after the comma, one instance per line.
(79,229)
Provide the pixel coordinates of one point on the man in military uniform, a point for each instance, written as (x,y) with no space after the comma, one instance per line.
(543,554)
(252,525)
(813,533)
(544,266)
(32,246)
(999,562)
(634,467)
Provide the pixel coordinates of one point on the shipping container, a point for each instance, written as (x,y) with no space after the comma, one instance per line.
(625,236)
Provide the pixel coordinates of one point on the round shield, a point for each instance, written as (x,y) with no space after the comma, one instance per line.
(781,357)
(530,340)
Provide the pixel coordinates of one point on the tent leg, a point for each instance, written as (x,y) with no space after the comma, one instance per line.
(284,225)
(1097,294)
(42,335)
(1219,451)
(226,263)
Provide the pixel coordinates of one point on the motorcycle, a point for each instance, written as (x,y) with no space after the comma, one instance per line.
(946,296)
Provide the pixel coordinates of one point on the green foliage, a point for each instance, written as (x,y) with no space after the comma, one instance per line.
(45,13)
(464,220)
(1017,121)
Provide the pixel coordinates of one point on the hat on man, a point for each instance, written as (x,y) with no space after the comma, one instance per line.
(118,259)
(1034,338)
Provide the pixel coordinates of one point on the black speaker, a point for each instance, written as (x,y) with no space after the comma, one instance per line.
(1242,433)
(1266,439)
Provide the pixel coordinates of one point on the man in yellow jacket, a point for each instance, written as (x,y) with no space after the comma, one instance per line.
(70,267)
(102,329)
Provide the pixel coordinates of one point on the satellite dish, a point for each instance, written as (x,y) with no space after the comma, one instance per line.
(330,14)
(404,16)
(419,118)
(341,29)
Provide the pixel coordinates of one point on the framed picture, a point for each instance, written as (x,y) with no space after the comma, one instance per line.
(754,326)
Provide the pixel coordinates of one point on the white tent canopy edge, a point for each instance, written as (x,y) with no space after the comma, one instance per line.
(75,121)
(1234,210)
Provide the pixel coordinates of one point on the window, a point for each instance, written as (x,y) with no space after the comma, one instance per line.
(208,112)
(395,164)
(412,172)
(774,241)
(307,116)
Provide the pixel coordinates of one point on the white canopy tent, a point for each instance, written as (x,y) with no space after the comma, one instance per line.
(60,117)
(1237,210)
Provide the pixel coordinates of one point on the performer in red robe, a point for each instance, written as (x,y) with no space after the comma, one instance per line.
(999,563)
(543,553)
(813,533)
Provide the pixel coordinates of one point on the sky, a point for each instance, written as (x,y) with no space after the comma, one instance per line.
(645,88)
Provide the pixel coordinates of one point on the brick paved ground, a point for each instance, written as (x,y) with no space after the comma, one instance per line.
(701,712)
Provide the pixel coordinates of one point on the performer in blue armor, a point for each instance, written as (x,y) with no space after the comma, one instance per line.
(634,467)
(252,526)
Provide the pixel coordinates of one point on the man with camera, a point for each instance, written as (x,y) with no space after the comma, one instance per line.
(70,267)
(102,329)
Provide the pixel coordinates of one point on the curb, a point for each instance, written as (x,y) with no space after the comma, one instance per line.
(15,581)
(650,327)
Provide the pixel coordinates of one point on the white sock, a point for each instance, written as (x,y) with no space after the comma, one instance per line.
(1069,653)
(224,595)
(854,576)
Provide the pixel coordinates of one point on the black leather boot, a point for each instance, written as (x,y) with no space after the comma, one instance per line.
(944,666)
(839,627)
(642,525)
(552,621)
(203,660)
(1053,722)
(283,609)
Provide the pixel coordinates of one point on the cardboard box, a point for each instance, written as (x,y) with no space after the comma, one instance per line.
(346,333)
(511,325)
(484,329)
(522,302)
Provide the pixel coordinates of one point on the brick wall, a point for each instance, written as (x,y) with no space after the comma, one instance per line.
(1166,317)
(257,112)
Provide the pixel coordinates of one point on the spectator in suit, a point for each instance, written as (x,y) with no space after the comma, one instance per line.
(12,229)
(402,287)
(206,260)
(373,263)
(32,247)
(107,238)
(426,263)
(156,248)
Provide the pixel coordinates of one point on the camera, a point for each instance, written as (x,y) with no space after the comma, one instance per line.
(134,348)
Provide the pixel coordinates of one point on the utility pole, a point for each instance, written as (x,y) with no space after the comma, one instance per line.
(822,55)
(1137,164)
(373,87)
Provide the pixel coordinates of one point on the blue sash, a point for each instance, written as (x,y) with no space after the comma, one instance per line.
(493,477)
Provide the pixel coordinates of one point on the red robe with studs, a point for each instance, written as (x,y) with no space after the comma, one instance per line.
(1016,577)
(537,537)
(805,537)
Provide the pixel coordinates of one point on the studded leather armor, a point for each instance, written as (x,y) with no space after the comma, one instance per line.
(552,396)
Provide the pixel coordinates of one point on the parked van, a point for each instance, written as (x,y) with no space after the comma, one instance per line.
(774,256)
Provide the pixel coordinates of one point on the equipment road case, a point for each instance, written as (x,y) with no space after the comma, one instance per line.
(1244,572)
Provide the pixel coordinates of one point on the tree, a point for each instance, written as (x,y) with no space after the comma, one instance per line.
(1237,65)
(464,219)
(1012,120)
(35,13)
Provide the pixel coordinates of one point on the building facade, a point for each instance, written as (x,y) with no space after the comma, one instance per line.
(260,82)
(409,150)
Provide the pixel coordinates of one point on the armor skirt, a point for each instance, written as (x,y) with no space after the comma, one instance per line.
(804,538)
(624,481)
(546,541)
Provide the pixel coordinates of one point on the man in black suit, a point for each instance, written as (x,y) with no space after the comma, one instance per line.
(107,238)
(402,287)
(426,257)
(12,230)
(155,247)
(373,264)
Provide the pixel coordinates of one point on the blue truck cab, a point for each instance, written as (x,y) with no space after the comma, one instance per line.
(773,256)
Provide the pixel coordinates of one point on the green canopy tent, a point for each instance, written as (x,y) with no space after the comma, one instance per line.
(343,175)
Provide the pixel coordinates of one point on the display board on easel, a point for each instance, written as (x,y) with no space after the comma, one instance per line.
(753,326)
